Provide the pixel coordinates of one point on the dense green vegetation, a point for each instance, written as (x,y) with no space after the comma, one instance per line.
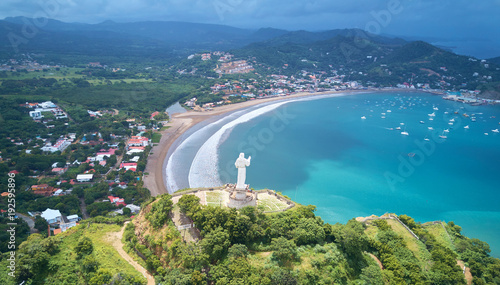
(81,255)
(297,247)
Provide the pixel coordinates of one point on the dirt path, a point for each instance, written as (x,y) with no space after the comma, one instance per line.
(377,260)
(468,275)
(115,238)
(83,208)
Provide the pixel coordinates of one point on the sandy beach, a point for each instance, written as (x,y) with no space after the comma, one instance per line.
(181,122)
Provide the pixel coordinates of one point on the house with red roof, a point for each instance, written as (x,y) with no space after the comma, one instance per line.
(117,200)
(138,141)
(43,189)
(154,114)
(129,166)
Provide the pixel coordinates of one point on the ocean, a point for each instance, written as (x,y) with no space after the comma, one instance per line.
(347,156)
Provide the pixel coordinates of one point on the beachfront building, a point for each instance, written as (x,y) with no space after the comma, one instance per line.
(138,141)
(129,166)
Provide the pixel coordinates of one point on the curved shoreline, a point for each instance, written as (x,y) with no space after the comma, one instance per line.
(180,123)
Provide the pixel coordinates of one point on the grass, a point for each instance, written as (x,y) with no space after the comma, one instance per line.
(104,252)
(270,203)
(215,198)
(156,137)
(164,128)
(440,234)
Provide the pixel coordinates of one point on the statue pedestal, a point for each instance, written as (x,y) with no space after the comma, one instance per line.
(241,198)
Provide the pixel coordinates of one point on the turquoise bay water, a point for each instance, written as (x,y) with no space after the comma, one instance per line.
(322,152)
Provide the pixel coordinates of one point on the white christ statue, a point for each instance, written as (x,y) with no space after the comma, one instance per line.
(241,163)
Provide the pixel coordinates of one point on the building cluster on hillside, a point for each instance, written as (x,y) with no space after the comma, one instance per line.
(234,67)
(58,222)
(27,64)
(45,107)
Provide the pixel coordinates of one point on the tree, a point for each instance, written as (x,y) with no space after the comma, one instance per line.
(308,231)
(84,247)
(238,250)
(351,237)
(41,225)
(284,250)
(160,209)
(188,204)
(216,243)
(372,275)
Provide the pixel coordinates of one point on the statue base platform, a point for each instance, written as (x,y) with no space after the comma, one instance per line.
(241,198)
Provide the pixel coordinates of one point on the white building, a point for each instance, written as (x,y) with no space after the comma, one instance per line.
(73,218)
(84,177)
(52,216)
(36,115)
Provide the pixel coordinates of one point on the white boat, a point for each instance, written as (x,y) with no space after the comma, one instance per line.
(431,119)
(450,123)
(473,119)
(486,134)
(422,122)
(405,133)
(435,108)
(430,128)
(426,139)
(383,114)
(383,117)
(466,127)
(495,130)
(388,111)
(446,112)
(432,114)
(452,120)
(363,118)
(402,124)
(446,131)
(398,128)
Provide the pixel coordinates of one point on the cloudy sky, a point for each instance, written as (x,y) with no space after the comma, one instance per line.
(469,25)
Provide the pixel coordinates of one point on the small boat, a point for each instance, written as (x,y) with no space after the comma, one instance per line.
(383,114)
(363,118)
(435,108)
(388,111)
(473,119)
(398,128)
(450,123)
(495,130)
(430,128)
(452,120)
(402,124)
(486,134)
(446,112)
(446,131)
(383,117)
(466,127)
(405,133)
(426,139)
(411,154)
(432,114)
(422,122)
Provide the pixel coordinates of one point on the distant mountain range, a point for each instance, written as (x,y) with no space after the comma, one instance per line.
(151,38)
(366,57)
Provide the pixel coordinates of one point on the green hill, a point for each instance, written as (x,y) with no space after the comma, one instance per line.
(297,247)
